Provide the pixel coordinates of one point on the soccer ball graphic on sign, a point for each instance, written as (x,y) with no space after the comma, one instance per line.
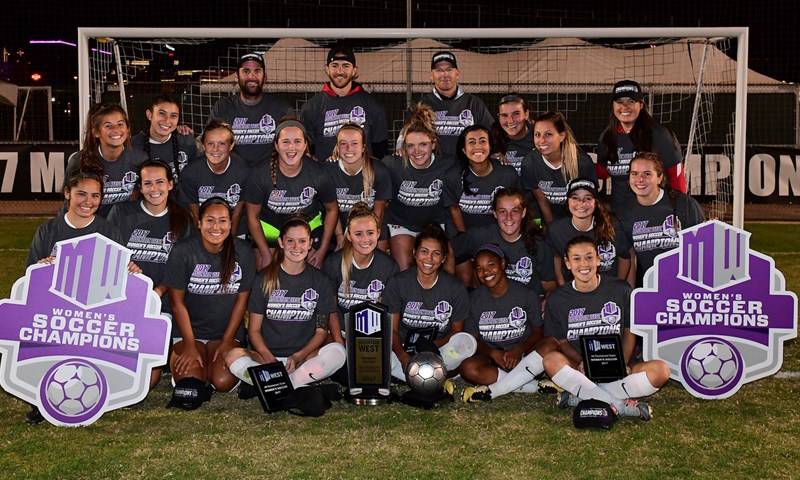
(426,373)
(73,388)
(712,364)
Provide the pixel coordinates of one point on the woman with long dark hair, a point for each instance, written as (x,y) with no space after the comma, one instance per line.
(209,277)
(631,130)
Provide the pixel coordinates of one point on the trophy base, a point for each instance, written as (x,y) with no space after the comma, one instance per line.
(369,399)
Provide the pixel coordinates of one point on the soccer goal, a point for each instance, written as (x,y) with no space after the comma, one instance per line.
(695,79)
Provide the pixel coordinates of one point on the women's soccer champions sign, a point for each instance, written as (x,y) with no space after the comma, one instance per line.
(79,337)
(715,311)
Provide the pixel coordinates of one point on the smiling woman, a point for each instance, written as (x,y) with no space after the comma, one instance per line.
(106,152)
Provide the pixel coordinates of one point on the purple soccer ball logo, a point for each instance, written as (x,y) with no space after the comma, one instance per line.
(73,390)
(711,366)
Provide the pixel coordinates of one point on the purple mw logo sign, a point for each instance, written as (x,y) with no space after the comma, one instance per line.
(715,311)
(79,338)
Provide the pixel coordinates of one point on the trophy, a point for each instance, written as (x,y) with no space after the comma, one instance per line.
(368,328)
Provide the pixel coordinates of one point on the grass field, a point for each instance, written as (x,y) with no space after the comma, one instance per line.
(753,434)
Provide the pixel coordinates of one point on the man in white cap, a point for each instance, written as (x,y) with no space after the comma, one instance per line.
(252,114)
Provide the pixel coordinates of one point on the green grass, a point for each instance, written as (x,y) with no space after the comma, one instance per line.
(750,435)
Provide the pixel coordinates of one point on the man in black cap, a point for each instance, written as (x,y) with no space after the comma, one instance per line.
(252,114)
(455,110)
(343,100)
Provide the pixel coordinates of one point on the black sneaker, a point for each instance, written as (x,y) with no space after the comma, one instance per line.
(247,391)
(34,416)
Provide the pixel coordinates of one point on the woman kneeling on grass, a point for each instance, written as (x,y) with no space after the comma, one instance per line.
(424,297)
(209,278)
(590,296)
(290,308)
(507,322)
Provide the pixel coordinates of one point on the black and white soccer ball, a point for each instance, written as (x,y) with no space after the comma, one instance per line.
(426,373)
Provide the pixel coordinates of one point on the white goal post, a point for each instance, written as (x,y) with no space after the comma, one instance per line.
(546,93)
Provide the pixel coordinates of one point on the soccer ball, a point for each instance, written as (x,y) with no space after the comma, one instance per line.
(426,373)
(712,364)
(73,388)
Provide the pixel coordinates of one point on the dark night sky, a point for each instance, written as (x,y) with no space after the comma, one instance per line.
(774,26)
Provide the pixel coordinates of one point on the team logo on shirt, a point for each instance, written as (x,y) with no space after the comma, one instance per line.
(435,189)
(358,115)
(79,337)
(465,118)
(517,317)
(267,124)
(443,312)
(611,313)
(183,160)
(309,299)
(522,270)
(717,312)
(375,289)
(671,225)
(608,253)
(129,181)
(233,194)
(168,241)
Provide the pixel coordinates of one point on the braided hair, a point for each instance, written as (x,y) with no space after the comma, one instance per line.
(158,100)
(274,161)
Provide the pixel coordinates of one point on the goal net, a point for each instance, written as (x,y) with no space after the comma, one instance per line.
(690,78)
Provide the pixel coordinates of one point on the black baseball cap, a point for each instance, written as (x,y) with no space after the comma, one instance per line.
(627,89)
(581,184)
(256,57)
(342,54)
(443,57)
(189,393)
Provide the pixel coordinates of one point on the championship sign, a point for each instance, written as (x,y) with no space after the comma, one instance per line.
(79,337)
(715,311)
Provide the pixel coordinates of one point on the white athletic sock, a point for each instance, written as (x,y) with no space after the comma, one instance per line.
(530,387)
(239,368)
(634,385)
(577,384)
(523,373)
(397,368)
(330,358)
(460,347)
